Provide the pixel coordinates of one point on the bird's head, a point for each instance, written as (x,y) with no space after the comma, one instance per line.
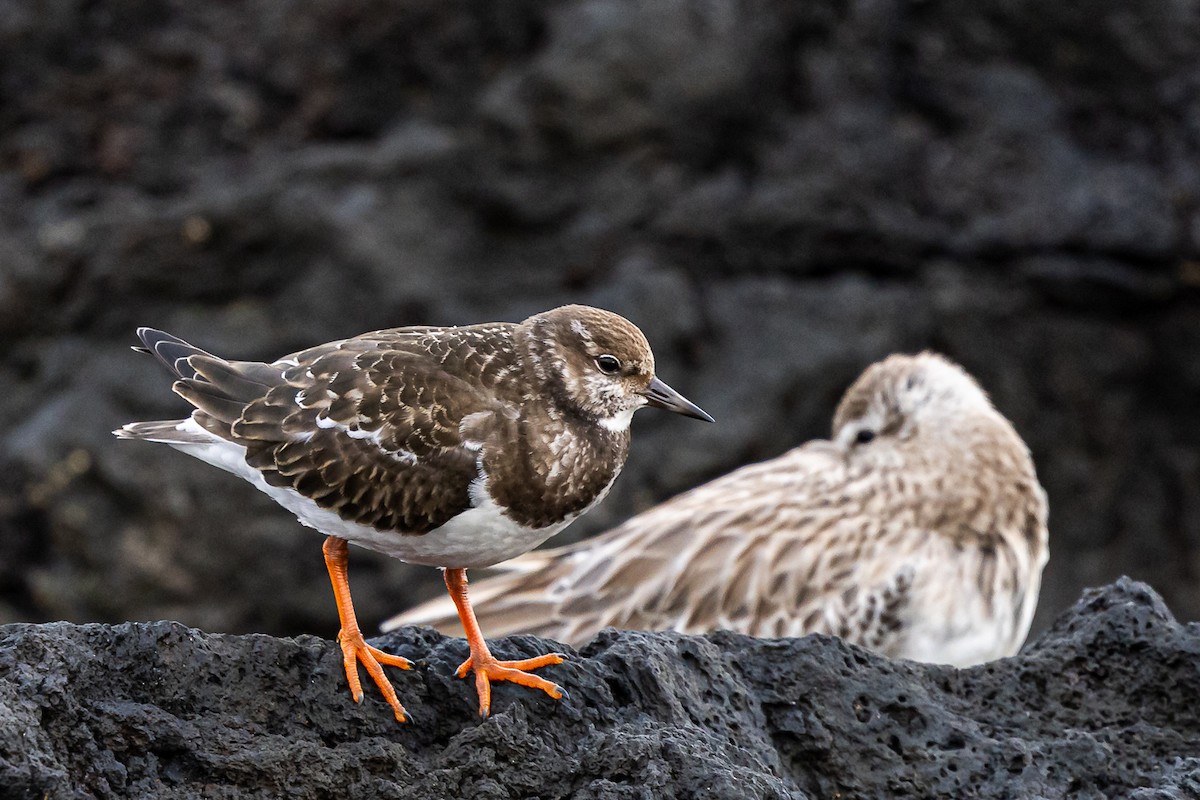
(600,364)
(903,397)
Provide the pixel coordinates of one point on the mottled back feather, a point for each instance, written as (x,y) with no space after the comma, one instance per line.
(367,427)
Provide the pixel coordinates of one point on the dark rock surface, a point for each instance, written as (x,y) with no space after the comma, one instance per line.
(1101,705)
(778,192)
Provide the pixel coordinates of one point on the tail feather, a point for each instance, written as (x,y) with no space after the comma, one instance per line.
(170,431)
(235,381)
(257,372)
(220,389)
(210,400)
(171,351)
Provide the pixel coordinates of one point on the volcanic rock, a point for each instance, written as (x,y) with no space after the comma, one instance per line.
(1101,705)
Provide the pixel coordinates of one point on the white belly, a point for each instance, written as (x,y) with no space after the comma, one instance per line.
(479,537)
(953,624)
(985,639)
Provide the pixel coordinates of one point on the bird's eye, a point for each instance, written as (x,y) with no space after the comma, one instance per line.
(608,364)
(863,436)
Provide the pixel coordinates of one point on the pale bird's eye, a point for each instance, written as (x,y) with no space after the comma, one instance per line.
(608,364)
(863,436)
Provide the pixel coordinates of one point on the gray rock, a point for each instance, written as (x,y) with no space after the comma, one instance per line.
(1099,706)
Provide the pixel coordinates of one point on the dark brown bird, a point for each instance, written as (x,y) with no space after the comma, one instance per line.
(919,531)
(450,447)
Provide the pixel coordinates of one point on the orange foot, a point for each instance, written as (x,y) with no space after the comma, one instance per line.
(355,649)
(488,669)
(354,646)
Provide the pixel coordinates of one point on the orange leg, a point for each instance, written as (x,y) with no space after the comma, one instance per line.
(354,646)
(485,665)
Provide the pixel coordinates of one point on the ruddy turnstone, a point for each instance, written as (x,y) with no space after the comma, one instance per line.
(451,447)
(919,531)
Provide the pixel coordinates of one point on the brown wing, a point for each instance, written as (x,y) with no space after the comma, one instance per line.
(368,427)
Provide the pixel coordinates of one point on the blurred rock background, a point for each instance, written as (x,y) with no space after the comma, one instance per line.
(779,193)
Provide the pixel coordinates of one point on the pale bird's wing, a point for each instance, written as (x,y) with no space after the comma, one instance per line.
(766,550)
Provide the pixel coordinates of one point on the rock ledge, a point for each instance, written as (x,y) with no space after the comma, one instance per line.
(1102,705)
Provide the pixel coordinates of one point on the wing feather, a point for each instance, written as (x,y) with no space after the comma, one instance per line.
(368,427)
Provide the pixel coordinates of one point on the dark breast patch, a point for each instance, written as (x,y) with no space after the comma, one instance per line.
(518,459)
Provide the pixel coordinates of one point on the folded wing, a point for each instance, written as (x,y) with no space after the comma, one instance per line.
(367,427)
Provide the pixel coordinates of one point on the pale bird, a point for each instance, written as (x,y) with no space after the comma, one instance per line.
(918,531)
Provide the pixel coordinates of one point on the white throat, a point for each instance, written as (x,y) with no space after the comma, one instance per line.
(618,422)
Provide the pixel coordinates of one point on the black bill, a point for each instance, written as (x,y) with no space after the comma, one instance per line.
(662,396)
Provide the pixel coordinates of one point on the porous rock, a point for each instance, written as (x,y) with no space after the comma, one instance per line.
(1101,705)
